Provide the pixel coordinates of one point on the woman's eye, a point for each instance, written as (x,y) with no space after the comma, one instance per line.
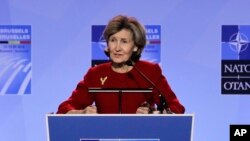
(124,41)
(112,40)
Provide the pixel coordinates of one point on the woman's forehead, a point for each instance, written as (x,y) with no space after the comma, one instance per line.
(123,33)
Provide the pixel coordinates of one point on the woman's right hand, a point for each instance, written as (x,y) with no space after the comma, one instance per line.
(88,110)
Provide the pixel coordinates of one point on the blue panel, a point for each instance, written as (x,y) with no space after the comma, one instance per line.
(73,128)
(15,59)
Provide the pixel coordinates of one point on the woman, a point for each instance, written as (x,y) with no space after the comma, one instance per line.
(125,38)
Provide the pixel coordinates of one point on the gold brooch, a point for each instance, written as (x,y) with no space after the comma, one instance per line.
(103,80)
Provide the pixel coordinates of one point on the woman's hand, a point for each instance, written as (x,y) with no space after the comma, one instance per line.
(142,110)
(88,110)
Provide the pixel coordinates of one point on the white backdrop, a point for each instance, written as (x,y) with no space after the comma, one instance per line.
(61,55)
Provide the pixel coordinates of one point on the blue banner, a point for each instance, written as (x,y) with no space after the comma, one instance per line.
(15,59)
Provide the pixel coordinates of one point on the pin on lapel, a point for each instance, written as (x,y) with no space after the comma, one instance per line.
(103,79)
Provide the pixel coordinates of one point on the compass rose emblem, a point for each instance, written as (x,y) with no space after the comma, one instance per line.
(238,42)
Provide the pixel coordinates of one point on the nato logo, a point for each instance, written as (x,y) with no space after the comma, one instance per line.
(15,59)
(235,63)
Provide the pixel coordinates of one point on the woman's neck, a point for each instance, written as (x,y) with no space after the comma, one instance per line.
(121,68)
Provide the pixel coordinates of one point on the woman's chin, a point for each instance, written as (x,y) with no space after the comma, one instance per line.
(118,62)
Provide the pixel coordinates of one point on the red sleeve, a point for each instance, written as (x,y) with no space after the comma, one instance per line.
(162,84)
(80,97)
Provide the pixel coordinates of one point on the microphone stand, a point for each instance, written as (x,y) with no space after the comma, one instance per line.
(162,107)
(120,91)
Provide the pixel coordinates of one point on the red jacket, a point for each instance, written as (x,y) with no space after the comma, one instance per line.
(102,76)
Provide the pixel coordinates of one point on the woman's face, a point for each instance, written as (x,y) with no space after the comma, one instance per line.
(121,46)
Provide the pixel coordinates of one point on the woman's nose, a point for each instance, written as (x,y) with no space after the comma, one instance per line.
(118,46)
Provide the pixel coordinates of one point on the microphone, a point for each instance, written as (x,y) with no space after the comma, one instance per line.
(163,103)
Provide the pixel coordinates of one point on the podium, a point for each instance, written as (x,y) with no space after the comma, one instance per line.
(119,127)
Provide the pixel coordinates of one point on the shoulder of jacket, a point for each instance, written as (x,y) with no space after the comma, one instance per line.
(146,64)
(100,67)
